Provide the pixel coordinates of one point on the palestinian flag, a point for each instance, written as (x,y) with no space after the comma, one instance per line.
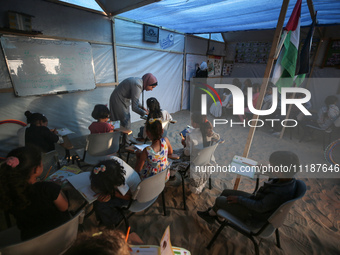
(285,67)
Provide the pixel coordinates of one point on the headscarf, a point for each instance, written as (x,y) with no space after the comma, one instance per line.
(204,66)
(149,79)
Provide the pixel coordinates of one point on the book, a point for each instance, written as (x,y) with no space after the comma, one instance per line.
(243,166)
(115,124)
(81,182)
(165,247)
(60,176)
(141,146)
(64,131)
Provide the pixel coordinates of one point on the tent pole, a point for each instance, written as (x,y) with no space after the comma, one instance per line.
(113,25)
(264,85)
(183,71)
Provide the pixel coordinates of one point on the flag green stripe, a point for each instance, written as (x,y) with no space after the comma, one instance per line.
(290,56)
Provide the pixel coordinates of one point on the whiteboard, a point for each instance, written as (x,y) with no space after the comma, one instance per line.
(43,66)
(191,60)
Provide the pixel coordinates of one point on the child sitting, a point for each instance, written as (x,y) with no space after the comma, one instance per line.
(154,156)
(202,135)
(106,177)
(38,133)
(102,114)
(257,208)
(36,206)
(155,111)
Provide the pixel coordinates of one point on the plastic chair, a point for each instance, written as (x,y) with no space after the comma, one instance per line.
(146,194)
(203,158)
(55,241)
(98,147)
(272,225)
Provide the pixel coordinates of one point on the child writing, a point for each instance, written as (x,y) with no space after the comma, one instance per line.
(154,156)
(155,111)
(36,206)
(102,114)
(106,177)
(38,133)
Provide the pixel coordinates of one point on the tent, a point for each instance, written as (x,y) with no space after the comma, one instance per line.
(116,47)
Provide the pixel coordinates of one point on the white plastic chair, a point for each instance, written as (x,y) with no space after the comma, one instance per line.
(146,194)
(272,225)
(55,241)
(203,158)
(99,146)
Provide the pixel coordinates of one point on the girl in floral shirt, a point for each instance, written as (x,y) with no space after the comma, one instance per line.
(154,158)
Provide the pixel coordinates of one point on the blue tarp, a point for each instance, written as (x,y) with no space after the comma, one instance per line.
(209,16)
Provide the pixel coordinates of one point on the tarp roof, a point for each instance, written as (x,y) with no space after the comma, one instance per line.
(209,16)
(212,16)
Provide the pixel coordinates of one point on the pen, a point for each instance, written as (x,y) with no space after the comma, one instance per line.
(127,234)
(48,172)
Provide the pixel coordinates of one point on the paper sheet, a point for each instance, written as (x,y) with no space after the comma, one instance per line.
(64,131)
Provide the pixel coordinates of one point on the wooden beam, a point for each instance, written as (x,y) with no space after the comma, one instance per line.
(312,15)
(311,8)
(264,85)
(7,90)
(103,7)
(183,72)
(106,84)
(114,49)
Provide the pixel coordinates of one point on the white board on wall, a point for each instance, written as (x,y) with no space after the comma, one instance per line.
(191,61)
(43,66)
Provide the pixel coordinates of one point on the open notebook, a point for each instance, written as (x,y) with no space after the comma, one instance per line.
(81,182)
(243,166)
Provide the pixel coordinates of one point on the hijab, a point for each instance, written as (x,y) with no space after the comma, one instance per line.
(148,80)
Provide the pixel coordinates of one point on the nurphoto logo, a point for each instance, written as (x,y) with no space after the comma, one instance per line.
(239,104)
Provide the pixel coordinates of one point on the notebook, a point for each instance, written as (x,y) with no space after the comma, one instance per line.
(165,247)
(81,182)
(243,166)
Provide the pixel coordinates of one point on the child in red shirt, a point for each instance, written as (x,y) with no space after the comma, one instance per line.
(101,113)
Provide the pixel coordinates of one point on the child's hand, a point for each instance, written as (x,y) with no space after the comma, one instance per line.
(54,131)
(104,198)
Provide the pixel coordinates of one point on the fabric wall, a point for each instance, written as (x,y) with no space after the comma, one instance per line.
(136,57)
(103,63)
